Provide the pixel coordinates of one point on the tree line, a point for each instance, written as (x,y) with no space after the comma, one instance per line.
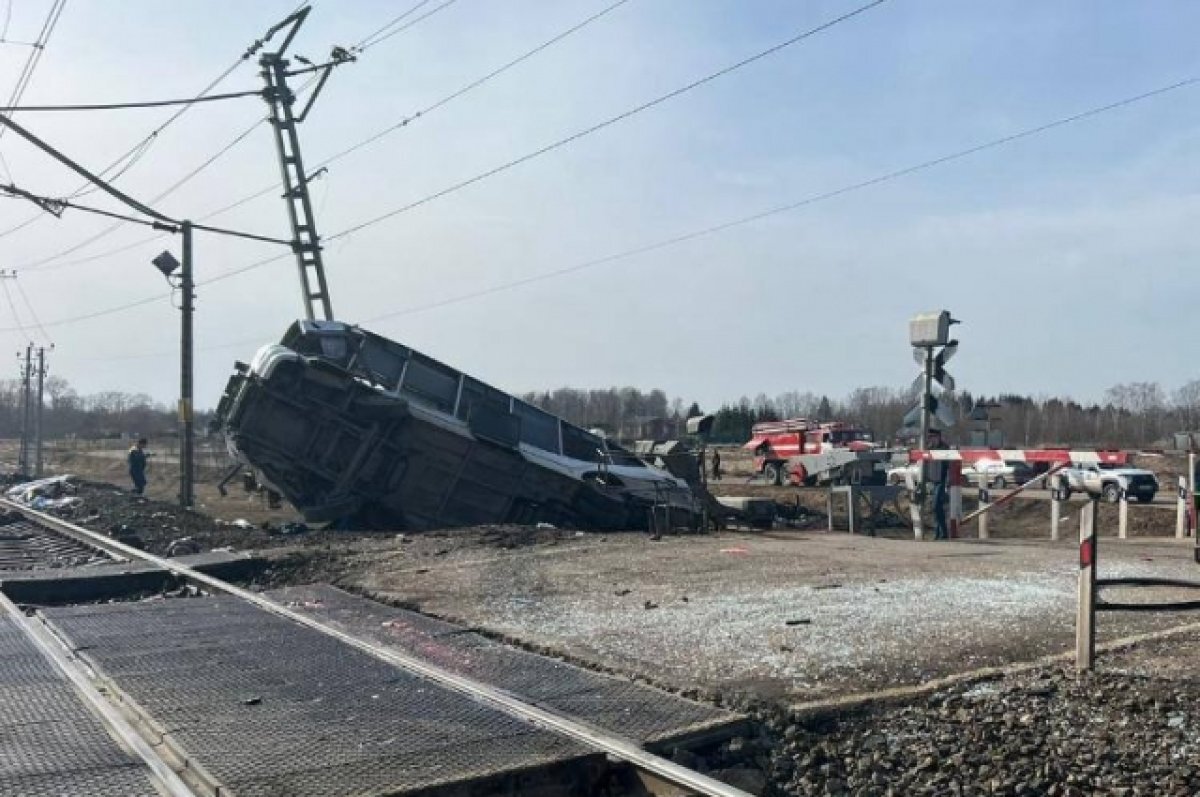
(67,413)
(1130,414)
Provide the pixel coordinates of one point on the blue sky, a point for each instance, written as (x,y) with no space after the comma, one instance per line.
(1069,256)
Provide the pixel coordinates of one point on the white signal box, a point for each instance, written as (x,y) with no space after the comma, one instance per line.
(930,329)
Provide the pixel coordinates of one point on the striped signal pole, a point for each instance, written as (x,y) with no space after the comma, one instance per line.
(1085,622)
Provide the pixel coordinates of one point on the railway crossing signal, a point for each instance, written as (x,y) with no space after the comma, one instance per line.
(929,334)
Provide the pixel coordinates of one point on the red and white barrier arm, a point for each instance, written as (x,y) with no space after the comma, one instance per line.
(1016,491)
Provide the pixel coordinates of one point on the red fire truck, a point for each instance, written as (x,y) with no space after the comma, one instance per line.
(799,449)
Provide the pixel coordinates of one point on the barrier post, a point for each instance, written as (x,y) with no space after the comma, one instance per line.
(1191,475)
(1123,516)
(1055,516)
(829,508)
(984,502)
(1085,621)
(1181,509)
(916,497)
(850,513)
(1057,502)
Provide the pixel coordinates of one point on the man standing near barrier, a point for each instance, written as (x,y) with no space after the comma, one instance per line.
(137,466)
(940,498)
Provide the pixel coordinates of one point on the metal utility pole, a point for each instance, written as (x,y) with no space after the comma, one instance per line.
(37,421)
(305,241)
(186,283)
(26,368)
(188,444)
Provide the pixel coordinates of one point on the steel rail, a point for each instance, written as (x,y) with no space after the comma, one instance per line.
(618,747)
(108,713)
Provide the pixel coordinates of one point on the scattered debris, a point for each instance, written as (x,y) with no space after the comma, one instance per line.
(54,494)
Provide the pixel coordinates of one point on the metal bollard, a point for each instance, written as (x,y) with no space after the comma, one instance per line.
(1085,621)
(1055,515)
(1123,516)
(1181,509)
(984,515)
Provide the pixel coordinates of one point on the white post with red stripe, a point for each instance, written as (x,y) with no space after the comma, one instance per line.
(985,504)
(1056,505)
(956,507)
(912,482)
(1085,621)
(1123,516)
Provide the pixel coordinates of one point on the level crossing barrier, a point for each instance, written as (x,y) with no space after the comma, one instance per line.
(1056,459)
(1090,588)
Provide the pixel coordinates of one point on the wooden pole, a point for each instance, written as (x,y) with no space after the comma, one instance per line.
(1085,622)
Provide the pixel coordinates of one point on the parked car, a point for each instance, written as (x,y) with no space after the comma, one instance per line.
(1107,481)
(996,473)
(1024,472)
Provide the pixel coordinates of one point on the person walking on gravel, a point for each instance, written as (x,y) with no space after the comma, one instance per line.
(716,465)
(137,466)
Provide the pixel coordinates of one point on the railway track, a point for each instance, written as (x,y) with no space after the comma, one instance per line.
(53,537)
(26,545)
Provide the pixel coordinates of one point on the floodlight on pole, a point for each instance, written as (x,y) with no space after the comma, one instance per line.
(166,263)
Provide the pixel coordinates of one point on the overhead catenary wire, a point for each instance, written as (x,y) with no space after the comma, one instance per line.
(31,63)
(694,234)
(612,120)
(138,151)
(365,45)
(161,222)
(12,307)
(46,263)
(7,21)
(530,156)
(35,56)
(121,106)
(37,321)
(393,21)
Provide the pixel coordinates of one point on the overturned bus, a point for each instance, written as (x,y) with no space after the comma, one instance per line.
(350,426)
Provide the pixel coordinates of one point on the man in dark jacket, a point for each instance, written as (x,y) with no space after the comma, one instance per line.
(137,466)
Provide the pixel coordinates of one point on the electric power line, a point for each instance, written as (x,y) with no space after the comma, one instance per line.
(120,106)
(12,307)
(43,263)
(612,120)
(35,56)
(47,263)
(393,21)
(688,236)
(138,150)
(33,313)
(363,47)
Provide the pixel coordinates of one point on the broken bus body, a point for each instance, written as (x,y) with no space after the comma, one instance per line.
(348,425)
